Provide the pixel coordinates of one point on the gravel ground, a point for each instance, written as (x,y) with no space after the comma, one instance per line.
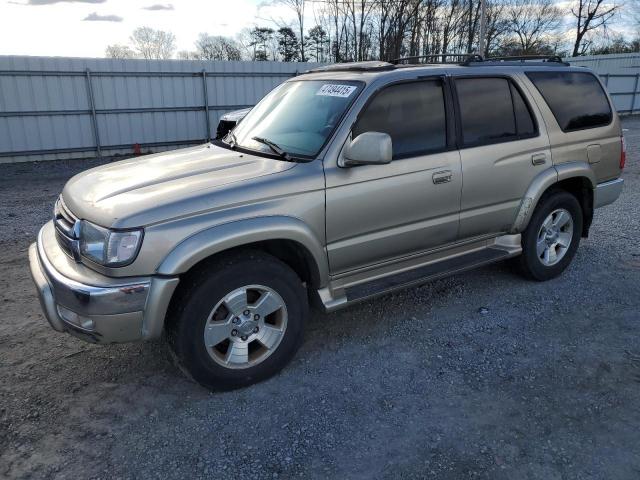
(482,375)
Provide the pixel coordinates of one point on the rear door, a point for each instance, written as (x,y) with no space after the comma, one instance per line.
(588,129)
(378,213)
(503,147)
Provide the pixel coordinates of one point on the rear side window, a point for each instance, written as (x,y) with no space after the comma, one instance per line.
(413,114)
(492,110)
(575,98)
(524,121)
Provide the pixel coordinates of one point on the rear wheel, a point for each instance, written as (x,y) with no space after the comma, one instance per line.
(552,237)
(239,321)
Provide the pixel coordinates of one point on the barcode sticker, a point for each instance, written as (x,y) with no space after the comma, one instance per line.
(332,90)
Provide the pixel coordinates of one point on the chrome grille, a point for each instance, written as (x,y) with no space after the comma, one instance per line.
(66,230)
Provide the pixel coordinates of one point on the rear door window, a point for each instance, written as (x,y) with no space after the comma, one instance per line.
(413,114)
(576,99)
(492,110)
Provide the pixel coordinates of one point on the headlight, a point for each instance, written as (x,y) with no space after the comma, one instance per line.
(107,247)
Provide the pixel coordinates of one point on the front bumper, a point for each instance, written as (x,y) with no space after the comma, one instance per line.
(607,192)
(93,307)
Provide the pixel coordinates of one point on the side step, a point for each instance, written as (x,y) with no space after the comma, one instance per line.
(428,272)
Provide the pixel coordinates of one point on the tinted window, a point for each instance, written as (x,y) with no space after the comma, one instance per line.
(524,120)
(413,114)
(576,99)
(486,111)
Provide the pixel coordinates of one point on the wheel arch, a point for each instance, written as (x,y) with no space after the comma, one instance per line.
(576,178)
(286,238)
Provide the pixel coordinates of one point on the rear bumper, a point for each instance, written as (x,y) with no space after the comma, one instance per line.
(99,313)
(607,192)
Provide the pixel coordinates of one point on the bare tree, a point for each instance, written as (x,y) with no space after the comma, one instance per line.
(119,51)
(216,47)
(153,44)
(298,7)
(497,26)
(244,40)
(187,55)
(615,43)
(533,23)
(590,15)
(355,30)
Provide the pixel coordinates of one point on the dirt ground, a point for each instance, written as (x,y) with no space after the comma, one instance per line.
(482,375)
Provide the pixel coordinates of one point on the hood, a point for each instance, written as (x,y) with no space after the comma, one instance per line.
(139,191)
(236,115)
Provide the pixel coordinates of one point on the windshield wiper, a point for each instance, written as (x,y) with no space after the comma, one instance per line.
(273,146)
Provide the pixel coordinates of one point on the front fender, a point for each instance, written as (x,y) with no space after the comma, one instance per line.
(243,232)
(542,182)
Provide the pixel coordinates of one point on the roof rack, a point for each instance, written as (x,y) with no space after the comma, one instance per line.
(369,66)
(467,58)
(464,59)
(527,58)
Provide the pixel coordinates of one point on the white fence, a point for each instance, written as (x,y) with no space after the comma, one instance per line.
(60,108)
(620,73)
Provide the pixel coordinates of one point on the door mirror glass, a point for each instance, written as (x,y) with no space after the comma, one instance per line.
(368,148)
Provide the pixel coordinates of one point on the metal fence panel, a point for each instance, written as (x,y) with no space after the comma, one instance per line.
(608,63)
(620,73)
(59,108)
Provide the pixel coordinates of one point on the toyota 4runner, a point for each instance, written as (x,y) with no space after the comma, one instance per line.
(343,183)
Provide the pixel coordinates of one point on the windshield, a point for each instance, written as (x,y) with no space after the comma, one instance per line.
(297,117)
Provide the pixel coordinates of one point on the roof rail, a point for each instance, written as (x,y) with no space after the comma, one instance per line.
(466,58)
(524,58)
(369,66)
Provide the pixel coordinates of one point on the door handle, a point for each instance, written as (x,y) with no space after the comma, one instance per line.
(539,158)
(441,177)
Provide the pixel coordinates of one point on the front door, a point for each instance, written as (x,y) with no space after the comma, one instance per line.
(378,213)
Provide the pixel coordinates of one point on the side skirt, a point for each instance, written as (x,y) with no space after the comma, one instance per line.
(342,293)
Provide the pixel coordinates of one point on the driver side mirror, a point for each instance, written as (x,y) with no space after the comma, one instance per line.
(368,148)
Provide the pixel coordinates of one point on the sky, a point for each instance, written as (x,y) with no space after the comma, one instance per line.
(83,28)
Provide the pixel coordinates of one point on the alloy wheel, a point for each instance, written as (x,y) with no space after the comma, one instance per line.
(554,237)
(245,327)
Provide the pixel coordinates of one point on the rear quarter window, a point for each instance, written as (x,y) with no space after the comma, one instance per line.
(576,99)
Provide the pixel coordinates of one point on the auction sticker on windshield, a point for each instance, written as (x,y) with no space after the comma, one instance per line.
(332,90)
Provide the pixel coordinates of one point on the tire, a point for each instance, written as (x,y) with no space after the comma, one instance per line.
(554,205)
(206,301)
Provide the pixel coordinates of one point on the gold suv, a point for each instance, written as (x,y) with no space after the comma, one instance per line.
(343,183)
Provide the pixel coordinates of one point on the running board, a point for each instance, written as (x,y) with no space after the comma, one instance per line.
(422,275)
(334,297)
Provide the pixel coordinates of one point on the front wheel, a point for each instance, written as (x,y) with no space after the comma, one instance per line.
(552,237)
(238,321)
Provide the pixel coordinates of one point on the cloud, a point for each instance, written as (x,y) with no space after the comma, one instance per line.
(50,2)
(94,17)
(159,6)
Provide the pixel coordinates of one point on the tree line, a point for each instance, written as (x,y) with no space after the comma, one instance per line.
(357,30)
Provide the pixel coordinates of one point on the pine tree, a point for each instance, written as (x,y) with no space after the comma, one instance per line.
(318,42)
(288,45)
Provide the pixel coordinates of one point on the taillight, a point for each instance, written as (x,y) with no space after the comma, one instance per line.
(623,152)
